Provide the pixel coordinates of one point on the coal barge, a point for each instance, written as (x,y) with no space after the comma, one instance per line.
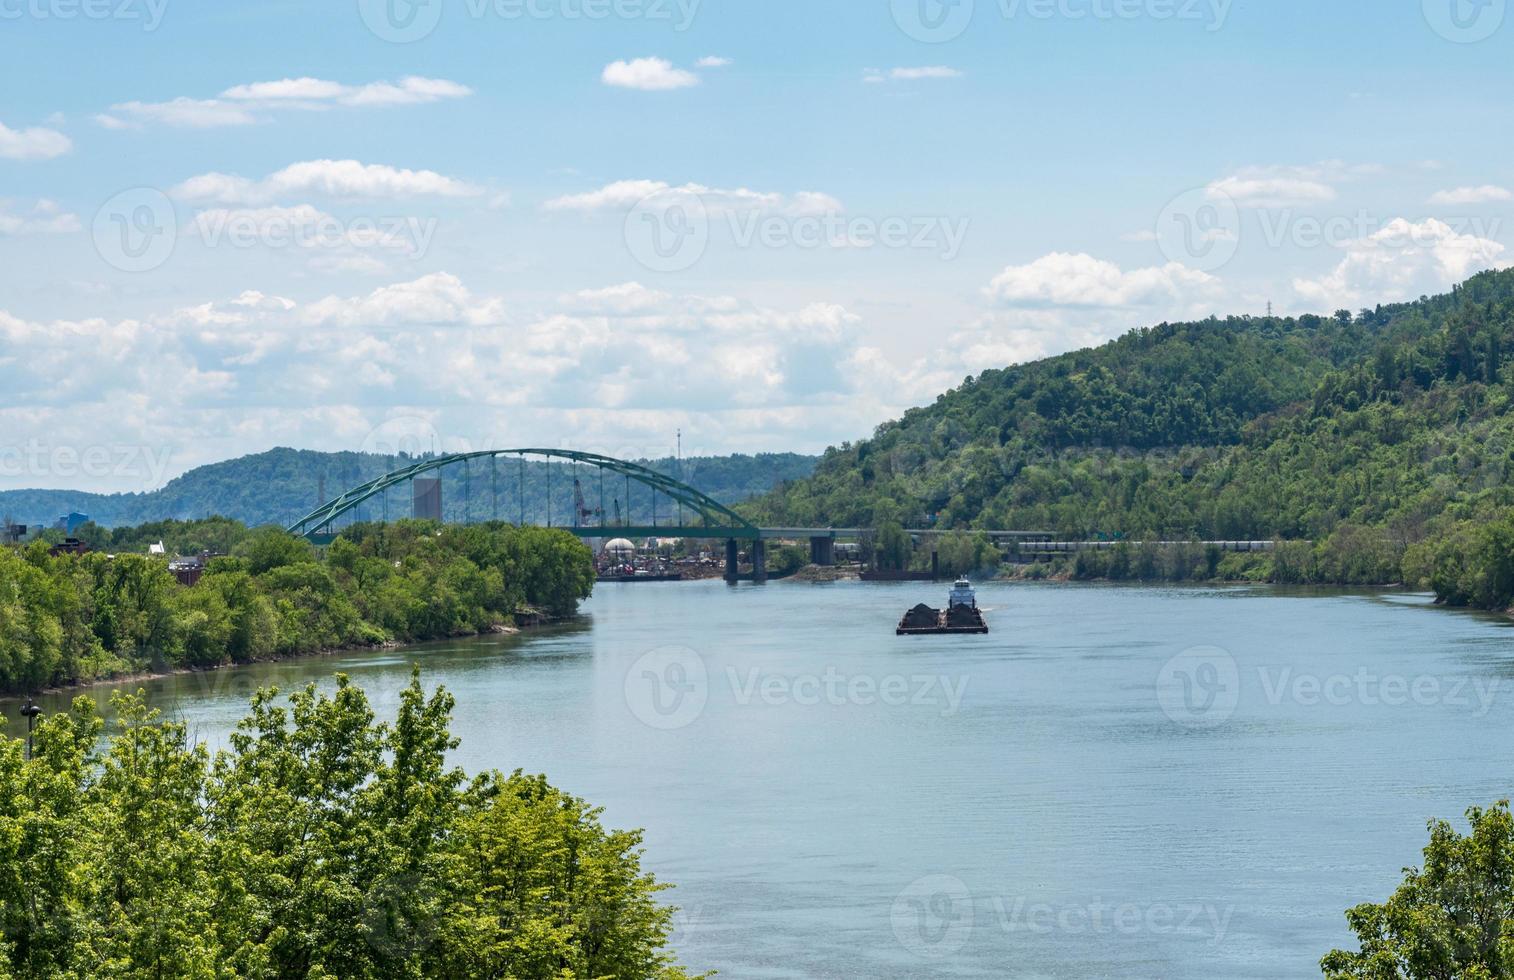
(961,615)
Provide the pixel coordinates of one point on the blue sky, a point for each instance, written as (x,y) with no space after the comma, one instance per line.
(229,226)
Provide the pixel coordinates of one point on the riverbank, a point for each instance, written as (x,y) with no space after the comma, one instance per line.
(534,620)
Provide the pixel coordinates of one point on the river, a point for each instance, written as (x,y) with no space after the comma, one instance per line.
(1117,781)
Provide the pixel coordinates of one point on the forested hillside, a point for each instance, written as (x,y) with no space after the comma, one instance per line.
(1385,436)
(282,485)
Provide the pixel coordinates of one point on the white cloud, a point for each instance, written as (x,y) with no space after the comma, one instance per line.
(256,300)
(625,194)
(44,218)
(304,89)
(1486,194)
(1402,261)
(186,112)
(439,298)
(648,75)
(244,105)
(1280,186)
(876,76)
(412,90)
(713,61)
(334,178)
(1259,191)
(628,297)
(107,121)
(929,71)
(35,143)
(1017,336)
(1067,280)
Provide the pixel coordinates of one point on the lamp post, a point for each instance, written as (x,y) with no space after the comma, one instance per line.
(30,710)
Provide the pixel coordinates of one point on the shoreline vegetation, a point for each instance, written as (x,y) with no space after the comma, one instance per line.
(535,621)
(73,620)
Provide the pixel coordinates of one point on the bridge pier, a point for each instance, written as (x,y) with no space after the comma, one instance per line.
(823,551)
(732,566)
(759,561)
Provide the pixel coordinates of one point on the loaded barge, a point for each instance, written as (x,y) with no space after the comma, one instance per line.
(961,615)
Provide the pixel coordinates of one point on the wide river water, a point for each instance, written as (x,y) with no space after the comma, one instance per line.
(1116,782)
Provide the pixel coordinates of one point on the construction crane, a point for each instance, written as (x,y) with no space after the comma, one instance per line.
(582,513)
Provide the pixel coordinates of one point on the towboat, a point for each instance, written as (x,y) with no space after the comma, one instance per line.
(961,615)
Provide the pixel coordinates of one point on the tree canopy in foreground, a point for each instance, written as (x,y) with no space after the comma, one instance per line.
(320,844)
(1451,920)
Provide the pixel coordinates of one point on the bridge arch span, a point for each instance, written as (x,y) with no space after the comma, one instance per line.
(716,520)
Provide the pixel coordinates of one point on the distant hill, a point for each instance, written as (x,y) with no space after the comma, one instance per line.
(282,485)
(1385,435)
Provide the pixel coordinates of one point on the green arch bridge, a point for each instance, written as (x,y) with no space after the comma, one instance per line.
(706,517)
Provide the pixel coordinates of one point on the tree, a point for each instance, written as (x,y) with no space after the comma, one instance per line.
(962,553)
(892,546)
(204,628)
(1453,919)
(270,547)
(321,843)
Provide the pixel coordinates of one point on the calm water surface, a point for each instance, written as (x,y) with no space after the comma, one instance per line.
(1117,782)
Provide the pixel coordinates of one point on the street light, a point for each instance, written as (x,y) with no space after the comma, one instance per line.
(30,710)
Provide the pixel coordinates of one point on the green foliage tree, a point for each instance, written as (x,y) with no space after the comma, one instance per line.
(962,553)
(1451,919)
(892,546)
(269,547)
(320,844)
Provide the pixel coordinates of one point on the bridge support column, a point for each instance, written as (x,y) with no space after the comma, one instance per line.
(759,561)
(732,569)
(823,551)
